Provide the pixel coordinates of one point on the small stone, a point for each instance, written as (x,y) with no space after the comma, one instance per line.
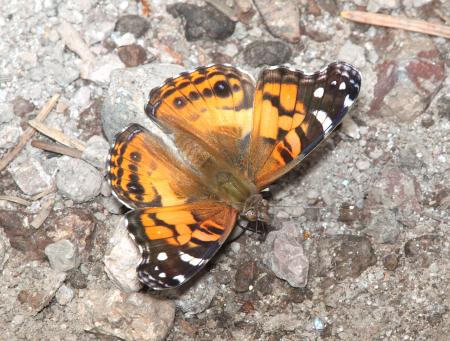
(245,276)
(112,205)
(133,24)
(362,165)
(96,152)
(126,316)
(342,256)
(390,262)
(64,295)
(6,113)
(21,106)
(199,295)
(281,17)
(375,5)
(9,135)
(45,283)
(350,128)
(281,322)
(77,279)
(121,259)
(427,121)
(203,22)
(422,245)
(132,55)
(82,97)
(122,40)
(100,70)
(77,180)
(353,54)
(260,53)
(5,248)
(62,255)
(30,176)
(286,257)
(318,324)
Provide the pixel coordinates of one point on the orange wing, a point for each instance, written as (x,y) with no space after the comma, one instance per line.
(293,113)
(177,242)
(145,172)
(212,104)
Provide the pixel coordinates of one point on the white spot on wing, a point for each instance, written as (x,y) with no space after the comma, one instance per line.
(185,257)
(162,256)
(319,92)
(342,86)
(347,101)
(162,275)
(323,118)
(179,278)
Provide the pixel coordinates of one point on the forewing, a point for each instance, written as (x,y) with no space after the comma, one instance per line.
(212,104)
(177,242)
(144,172)
(293,113)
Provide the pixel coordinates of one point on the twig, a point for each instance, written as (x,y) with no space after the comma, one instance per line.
(397,22)
(56,148)
(43,214)
(222,7)
(45,192)
(14,199)
(145,8)
(57,135)
(74,42)
(28,134)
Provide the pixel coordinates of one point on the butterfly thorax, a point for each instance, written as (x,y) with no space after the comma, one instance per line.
(256,208)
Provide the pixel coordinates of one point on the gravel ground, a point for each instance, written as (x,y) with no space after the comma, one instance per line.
(362,246)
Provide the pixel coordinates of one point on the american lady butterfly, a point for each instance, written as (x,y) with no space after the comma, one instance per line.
(233,138)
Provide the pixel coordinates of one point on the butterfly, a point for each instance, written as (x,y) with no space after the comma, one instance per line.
(225,139)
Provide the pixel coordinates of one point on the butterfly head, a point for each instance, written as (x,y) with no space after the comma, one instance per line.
(256,208)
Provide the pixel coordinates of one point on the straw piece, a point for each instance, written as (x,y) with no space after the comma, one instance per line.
(28,134)
(56,148)
(14,199)
(57,135)
(397,22)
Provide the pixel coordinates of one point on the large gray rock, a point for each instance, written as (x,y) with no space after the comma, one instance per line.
(122,258)
(127,95)
(77,179)
(125,316)
(286,256)
(62,255)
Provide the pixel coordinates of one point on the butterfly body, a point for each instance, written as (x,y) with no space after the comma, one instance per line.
(233,138)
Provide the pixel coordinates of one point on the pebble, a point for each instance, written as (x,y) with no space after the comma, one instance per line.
(245,276)
(350,128)
(96,152)
(9,135)
(100,70)
(285,255)
(81,98)
(122,40)
(363,165)
(132,55)
(64,294)
(127,95)
(112,205)
(21,106)
(273,52)
(121,259)
(134,24)
(199,295)
(77,180)
(353,54)
(318,324)
(204,22)
(390,262)
(5,248)
(375,5)
(6,113)
(281,17)
(342,256)
(30,176)
(126,316)
(62,255)
(37,294)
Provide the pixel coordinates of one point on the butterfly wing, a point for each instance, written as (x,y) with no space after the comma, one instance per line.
(143,172)
(212,104)
(176,242)
(293,113)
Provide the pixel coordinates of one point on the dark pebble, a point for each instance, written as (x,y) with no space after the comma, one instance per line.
(21,106)
(261,53)
(77,279)
(390,262)
(427,121)
(202,22)
(134,24)
(132,55)
(349,213)
(245,275)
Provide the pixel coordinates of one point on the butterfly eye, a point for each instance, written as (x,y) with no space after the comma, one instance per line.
(251,214)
